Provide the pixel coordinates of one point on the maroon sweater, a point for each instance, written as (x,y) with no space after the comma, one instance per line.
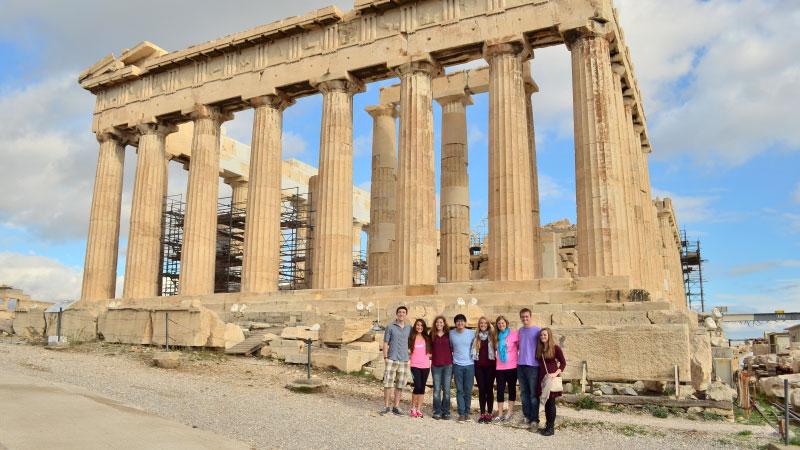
(441,353)
(558,362)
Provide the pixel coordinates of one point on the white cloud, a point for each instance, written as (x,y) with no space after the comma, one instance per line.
(294,145)
(690,208)
(40,277)
(549,188)
(747,269)
(475,134)
(362,146)
(796,194)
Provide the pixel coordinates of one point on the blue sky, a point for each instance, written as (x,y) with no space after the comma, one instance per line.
(720,103)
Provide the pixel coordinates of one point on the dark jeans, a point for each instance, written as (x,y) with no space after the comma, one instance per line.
(420,377)
(464,377)
(550,412)
(442,377)
(529,390)
(505,378)
(485,378)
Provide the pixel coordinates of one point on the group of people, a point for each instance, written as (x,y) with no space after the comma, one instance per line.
(492,352)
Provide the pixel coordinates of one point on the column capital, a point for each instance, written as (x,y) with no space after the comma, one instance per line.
(209,112)
(110,134)
(428,66)
(593,31)
(350,86)
(382,110)
(274,101)
(158,128)
(531,87)
(465,99)
(514,47)
(234,181)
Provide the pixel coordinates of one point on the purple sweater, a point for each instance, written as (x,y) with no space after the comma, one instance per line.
(528,340)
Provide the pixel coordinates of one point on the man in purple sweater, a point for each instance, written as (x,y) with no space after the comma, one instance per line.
(528,369)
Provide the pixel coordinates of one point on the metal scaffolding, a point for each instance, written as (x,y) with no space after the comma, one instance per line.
(296,235)
(171,241)
(230,246)
(692,263)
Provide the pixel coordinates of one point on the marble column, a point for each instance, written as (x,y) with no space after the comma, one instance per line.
(454,228)
(102,242)
(382,212)
(511,247)
(313,189)
(262,232)
(333,257)
(538,249)
(415,233)
(602,230)
(199,251)
(239,191)
(143,259)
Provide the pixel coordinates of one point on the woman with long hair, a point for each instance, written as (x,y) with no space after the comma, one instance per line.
(483,353)
(549,354)
(441,367)
(419,346)
(507,346)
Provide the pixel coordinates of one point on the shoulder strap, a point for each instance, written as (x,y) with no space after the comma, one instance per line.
(545,365)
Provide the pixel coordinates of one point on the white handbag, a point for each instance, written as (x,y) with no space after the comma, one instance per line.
(555,383)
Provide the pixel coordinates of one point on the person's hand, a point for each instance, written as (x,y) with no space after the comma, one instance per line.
(552,375)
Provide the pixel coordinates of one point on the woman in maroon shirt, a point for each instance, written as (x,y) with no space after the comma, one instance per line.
(483,353)
(552,358)
(441,367)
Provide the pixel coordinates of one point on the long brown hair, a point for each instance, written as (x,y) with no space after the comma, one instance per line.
(492,334)
(445,328)
(549,349)
(412,337)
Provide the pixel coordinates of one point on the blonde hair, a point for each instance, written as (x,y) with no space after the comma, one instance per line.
(492,334)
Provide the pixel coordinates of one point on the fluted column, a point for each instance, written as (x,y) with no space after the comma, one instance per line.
(538,250)
(239,191)
(511,246)
(262,232)
(638,231)
(627,166)
(313,189)
(333,257)
(416,239)
(454,228)
(143,259)
(382,209)
(102,242)
(198,254)
(602,231)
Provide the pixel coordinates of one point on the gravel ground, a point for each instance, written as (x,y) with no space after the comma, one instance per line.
(244,399)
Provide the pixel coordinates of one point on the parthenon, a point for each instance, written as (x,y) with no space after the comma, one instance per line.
(626,243)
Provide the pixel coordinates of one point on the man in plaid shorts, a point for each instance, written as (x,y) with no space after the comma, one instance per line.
(395,357)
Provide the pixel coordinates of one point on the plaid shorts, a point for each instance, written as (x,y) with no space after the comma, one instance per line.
(395,374)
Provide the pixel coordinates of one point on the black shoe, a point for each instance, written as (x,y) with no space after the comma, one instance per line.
(446,417)
(396,411)
(385,411)
(548,430)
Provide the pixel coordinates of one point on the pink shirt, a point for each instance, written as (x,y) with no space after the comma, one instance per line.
(419,354)
(512,345)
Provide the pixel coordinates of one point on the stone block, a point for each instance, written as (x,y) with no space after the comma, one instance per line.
(613,318)
(126,326)
(773,386)
(167,360)
(701,361)
(281,348)
(6,322)
(472,312)
(337,330)
(300,333)
(687,317)
(367,347)
(233,335)
(626,353)
(565,319)
(722,352)
(345,360)
(77,325)
(725,369)
(30,323)
(647,306)
(720,392)
(760,349)
(189,327)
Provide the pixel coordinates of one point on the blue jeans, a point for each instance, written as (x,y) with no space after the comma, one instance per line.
(528,377)
(465,377)
(442,377)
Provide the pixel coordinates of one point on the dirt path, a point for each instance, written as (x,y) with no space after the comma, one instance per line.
(244,399)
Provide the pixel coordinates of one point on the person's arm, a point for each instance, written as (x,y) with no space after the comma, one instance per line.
(562,362)
(387,336)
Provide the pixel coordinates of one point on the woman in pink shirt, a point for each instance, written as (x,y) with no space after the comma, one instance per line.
(419,346)
(506,374)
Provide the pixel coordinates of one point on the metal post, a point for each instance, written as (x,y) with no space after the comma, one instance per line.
(166,331)
(58,326)
(786,412)
(308,366)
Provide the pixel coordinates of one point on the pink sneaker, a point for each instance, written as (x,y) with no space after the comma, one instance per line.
(413,412)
